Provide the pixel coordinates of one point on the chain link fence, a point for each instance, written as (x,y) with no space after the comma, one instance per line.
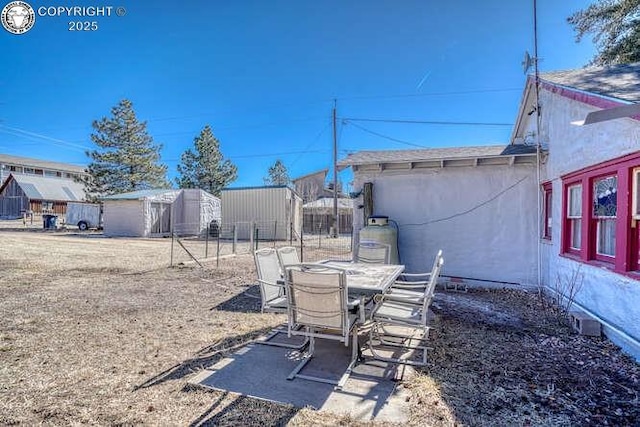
(241,238)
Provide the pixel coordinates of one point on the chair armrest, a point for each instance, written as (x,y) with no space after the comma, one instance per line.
(425,275)
(279,283)
(402,284)
(404,300)
(379,299)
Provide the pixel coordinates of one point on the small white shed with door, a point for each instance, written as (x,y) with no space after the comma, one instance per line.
(158,212)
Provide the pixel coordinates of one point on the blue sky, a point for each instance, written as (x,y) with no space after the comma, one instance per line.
(264,75)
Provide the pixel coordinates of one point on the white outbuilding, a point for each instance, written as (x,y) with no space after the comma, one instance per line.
(158,212)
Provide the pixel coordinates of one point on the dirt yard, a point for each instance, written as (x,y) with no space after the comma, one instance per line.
(100,331)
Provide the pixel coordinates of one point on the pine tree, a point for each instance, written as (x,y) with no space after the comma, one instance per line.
(205,167)
(126,158)
(615,25)
(277,174)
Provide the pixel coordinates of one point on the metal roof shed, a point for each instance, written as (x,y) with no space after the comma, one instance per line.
(276,211)
(22,193)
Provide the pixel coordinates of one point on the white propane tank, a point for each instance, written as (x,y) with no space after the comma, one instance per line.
(378,230)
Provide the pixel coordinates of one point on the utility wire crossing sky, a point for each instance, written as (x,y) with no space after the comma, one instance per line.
(265,76)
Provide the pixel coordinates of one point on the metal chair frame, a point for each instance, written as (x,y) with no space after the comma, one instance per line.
(409,317)
(308,285)
(269,278)
(411,288)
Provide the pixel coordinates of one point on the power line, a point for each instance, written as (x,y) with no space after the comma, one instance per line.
(385,136)
(25,133)
(249,156)
(426,122)
(415,95)
(313,141)
(478,206)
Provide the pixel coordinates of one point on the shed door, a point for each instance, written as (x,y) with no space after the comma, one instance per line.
(160,218)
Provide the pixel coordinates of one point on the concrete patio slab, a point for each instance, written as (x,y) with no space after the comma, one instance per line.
(260,371)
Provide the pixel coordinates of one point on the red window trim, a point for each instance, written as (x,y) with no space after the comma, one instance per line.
(566,221)
(626,258)
(547,192)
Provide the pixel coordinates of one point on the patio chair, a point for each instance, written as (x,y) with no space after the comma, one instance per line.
(411,287)
(373,253)
(272,291)
(287,255)
(319,308)
(397,324)
(270,281)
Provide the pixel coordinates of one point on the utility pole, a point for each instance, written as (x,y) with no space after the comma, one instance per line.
(335,172)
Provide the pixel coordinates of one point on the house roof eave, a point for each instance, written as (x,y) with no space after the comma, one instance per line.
(525,101)
(471,161)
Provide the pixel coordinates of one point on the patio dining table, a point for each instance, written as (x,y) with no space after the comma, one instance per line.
(365,279)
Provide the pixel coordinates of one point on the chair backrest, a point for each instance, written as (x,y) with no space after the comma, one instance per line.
(268,268)
(373,253)
(317,297)
(435,260)
(433,281)
(288,255)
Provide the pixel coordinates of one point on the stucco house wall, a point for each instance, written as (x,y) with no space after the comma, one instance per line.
(611,296)
(481,217)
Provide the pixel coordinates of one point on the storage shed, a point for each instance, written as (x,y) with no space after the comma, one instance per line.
(158,212)
(276,211)
(21,193)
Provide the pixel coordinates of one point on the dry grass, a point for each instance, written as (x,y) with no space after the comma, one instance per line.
(99,331)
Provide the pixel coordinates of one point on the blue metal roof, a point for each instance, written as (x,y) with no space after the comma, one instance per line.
(38,187)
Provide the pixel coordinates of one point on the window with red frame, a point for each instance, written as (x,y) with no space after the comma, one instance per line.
(605,208)
(547,194)
(601,214)
(574,216)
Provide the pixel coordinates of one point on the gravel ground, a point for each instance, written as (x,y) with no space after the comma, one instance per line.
(100,331)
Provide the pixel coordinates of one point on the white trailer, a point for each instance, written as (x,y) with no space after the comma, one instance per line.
(84,215)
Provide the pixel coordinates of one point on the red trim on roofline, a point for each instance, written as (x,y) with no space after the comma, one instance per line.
(584,97)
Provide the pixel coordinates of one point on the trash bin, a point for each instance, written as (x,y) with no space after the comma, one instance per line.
(214,228)
(49,221)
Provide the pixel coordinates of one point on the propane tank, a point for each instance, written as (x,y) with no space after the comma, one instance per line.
(378,230)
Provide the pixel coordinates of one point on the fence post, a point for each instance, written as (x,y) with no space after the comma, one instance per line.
(171,259)
(235,240)
(275,232)
(302,244)
(257,238)
(206,242)
(218,250)
(252,235)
